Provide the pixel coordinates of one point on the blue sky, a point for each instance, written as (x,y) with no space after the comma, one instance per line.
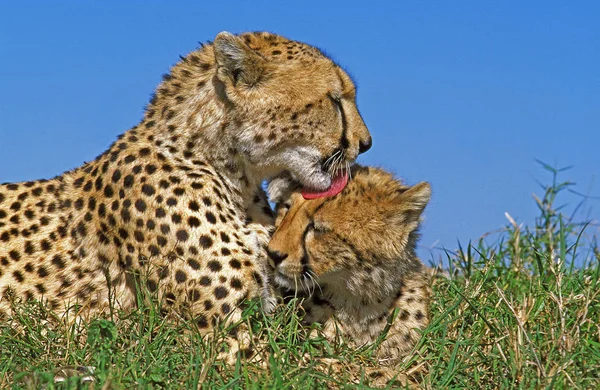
(465,95)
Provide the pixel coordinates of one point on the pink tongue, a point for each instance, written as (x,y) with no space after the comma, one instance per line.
(337,185)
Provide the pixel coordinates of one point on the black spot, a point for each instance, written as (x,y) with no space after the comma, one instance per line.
(235,264)
(236,284)
(193,263)
(170,298)
(205,281)
(14,255)
(45,244)
(148,190)
(225,308)
(139,236)
(180,276)
(42,272)
(221,292)
(125,215)
(178,191)
(176,218)
(193,222)
(128,181)
(210,217)
(201,321)
(123,233)
(108,191)
(98,183)
(182,235)
(214,266)
(18,276)
(140,205)
(58,262)
(152,285)
(205,241)
(150,224)
(150,169)
(404,315)
(194,295)
(194,206)
(116,176)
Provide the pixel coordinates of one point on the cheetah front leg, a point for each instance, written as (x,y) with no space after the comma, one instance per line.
(261,222)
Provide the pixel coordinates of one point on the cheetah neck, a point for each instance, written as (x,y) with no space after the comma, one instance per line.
(187,123)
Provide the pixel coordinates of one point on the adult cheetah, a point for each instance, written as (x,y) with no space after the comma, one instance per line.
(176,202)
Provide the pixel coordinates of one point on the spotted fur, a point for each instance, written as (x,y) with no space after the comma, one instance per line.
(352,257)
(176,202)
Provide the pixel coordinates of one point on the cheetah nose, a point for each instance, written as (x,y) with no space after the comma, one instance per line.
(364,146)
(276,256)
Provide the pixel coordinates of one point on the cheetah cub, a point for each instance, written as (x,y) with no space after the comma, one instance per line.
(352,257)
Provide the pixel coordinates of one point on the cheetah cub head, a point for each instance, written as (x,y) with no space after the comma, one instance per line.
(359,243)
(293,109)
(351,257)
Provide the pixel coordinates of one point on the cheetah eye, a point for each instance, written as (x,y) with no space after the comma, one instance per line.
(335,97)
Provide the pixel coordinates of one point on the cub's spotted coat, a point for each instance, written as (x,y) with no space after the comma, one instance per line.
(177,202)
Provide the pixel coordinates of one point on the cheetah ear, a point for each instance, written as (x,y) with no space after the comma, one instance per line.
(413,202)
(417,196)
(237,62)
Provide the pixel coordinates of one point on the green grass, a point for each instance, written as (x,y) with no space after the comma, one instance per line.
(516,313)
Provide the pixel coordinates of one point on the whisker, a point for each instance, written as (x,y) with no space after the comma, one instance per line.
(313,276)
(333,156)
(348,170)
(337,162)
(306,284)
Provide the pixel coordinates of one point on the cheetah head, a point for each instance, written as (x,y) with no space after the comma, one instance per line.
(293,109)
(361,238)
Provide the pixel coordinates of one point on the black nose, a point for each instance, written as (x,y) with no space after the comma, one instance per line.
(276,256)
(364,146)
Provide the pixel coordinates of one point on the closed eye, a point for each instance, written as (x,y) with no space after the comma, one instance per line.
(337,102)
(321,228)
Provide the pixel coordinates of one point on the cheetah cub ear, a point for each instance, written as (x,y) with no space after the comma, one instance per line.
(237,62)
(412,201)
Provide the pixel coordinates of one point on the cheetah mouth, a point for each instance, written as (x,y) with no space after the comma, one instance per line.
(338,183)
(337,168)
(316,176)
